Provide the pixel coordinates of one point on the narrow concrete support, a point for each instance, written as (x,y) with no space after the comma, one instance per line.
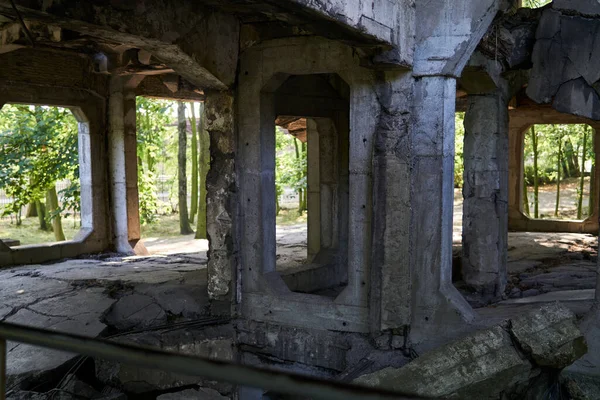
(221,189)
(485,192)
(323,196)
(314,189)
(328,183)
(436,302)
(390,297)
(122,152)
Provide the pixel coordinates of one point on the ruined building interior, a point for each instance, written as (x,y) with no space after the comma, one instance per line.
(389,295)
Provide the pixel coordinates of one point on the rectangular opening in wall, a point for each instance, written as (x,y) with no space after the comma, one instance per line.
(40,185)
(558,177)
(172,163)
(307,180)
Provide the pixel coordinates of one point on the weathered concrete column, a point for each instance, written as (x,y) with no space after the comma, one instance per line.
(485,192)
(122,151)
(314,189)
(323,178)
(391,297)
(328,183)
(221,190)
(436,302)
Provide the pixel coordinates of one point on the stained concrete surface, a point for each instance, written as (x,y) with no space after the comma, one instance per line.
(102,295)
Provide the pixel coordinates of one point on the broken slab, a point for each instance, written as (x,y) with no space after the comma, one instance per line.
(74,312)
(486,363)
(483,362)
(135,311)
(214,342)
(550,336)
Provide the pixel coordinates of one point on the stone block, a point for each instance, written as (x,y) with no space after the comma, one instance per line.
(477,366)
(484,364)
(135,311)
(550,336)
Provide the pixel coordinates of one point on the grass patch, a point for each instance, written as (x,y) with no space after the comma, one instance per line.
(289,216)
(163,226)
(29,231)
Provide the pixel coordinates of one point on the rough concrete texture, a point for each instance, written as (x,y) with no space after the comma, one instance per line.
(77,295)
(221,195)
(566,64)
(447,34)
(212,342)
(193,394)
(485,191)
(488,362)
(550,336)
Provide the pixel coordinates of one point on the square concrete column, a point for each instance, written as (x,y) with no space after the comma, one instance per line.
(122,151)
(323,178)
(221,190)
(314,190)
(436,302)
(485,192)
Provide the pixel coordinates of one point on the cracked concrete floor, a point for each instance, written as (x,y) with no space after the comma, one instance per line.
(103,295)
(94,297)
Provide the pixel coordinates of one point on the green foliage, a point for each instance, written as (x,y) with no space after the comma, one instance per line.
(571,137)
(459,164)
(291,168)
(38,147)
(153,119)
(535,3)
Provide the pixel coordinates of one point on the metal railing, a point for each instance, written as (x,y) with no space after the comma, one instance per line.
(145,357)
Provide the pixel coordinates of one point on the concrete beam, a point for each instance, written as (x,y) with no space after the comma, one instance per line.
(200,45)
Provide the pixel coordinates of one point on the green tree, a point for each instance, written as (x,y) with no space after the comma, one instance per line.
(291,166)
(38,147)
(184,222)
(194,205)
(153,119)
(203,167)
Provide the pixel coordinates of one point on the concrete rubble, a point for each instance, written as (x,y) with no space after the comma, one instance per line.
(488,363)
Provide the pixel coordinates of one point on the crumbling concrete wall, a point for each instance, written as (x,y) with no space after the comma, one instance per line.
(265,296)
(221,196)
(566,69)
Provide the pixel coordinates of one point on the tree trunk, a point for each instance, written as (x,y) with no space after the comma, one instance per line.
(203,167)
(52,206)
(525,198)
(194,206)
(31,210)
(582,175)
(559,164)
(184,223)
(536,186)
(300,196)
(41,214)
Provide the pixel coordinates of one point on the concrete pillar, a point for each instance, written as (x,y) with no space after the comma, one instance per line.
(436,302)
(314,189)
(221,189)
(390,297)
(122,152)
(328,183)
(323,197)
(485,192)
